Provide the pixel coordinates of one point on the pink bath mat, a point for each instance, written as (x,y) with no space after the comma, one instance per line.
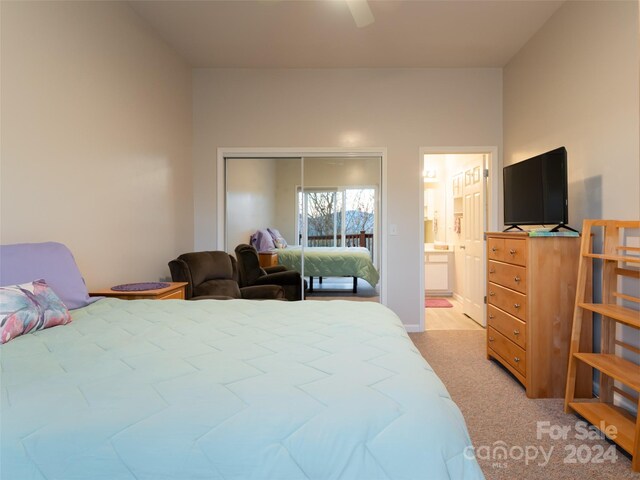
(437,303)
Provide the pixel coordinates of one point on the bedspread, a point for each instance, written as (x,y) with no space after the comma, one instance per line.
(231,389)
(331,262)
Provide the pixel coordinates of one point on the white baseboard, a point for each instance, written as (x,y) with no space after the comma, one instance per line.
(413,328)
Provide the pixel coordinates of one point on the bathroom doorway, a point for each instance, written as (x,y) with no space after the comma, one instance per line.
(457,203)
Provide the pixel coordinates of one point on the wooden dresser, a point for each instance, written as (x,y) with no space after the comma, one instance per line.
(531,288)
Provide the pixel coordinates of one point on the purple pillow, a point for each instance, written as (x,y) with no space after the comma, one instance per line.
(262,241)
(22,262)
(29,307)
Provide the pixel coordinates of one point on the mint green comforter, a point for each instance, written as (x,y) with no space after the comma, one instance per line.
(331,262)
(236,389)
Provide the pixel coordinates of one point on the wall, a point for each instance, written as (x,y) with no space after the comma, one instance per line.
(576,83)
(251,198)
(289,177)
(400,109)
(96,138)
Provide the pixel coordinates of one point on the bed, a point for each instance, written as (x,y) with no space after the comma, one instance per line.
(331,262)
(233,389)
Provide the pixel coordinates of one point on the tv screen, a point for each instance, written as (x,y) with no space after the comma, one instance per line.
(535,190)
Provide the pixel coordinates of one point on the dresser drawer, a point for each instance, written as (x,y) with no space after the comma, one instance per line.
(495,248)
(512,328)
(511,276)
(508,300)
(509,351)
(515,251)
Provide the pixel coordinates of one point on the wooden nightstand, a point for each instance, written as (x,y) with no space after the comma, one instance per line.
(175,291)
(268,259)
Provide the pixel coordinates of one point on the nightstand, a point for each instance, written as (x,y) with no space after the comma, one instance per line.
(268,259)
(175,291)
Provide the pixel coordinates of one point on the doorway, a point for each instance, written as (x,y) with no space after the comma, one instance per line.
(458,207)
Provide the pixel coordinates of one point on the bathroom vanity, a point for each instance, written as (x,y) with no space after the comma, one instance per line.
(438,270)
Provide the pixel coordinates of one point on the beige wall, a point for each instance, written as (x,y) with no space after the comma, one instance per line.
(251,198)
(96,138)
(289,177)
(576,84)
(400,109)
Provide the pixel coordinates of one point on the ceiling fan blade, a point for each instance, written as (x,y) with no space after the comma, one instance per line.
(361,12)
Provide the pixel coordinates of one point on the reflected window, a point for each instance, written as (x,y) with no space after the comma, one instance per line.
(337,217)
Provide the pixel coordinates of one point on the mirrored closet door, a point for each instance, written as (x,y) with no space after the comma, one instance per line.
(317,215)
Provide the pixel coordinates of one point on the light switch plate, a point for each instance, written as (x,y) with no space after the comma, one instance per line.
(393,229)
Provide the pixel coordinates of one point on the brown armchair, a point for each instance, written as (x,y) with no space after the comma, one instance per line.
(214,275)
(251,274)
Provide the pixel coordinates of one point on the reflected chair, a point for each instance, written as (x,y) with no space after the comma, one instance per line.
(251,274)
(214,275)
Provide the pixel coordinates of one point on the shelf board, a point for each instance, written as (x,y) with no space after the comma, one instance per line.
(621,314)
(614,258)
(615,367)
(631,249)
(596,413)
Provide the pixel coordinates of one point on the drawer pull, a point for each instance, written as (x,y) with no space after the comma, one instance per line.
(516,359)
(492,294)
(493,270)
(491,339)
(516,279)
(516,305)
(513,251)
(516,332)
(494,249)
(491,316)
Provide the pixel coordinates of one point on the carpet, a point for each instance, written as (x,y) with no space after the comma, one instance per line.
(437,303)
(498,413)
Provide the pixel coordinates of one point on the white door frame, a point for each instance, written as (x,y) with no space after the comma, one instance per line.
(300,152)
(492,199)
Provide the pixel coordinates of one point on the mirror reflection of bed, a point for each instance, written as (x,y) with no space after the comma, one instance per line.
(341,288)
(325,211)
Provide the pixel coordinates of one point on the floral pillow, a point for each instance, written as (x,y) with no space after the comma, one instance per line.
(29,307)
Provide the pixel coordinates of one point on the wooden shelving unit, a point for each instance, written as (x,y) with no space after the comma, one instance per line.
(613,368)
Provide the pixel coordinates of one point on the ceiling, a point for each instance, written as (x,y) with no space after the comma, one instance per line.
(323,34)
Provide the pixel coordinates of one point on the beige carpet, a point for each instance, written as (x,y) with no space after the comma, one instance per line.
(496,409)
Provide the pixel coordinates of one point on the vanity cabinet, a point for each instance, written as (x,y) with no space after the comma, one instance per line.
(438,272)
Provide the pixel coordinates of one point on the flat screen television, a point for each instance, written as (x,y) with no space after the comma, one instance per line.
(536,191)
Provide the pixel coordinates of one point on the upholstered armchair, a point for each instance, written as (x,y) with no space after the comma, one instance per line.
(214,275)
(251,274)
